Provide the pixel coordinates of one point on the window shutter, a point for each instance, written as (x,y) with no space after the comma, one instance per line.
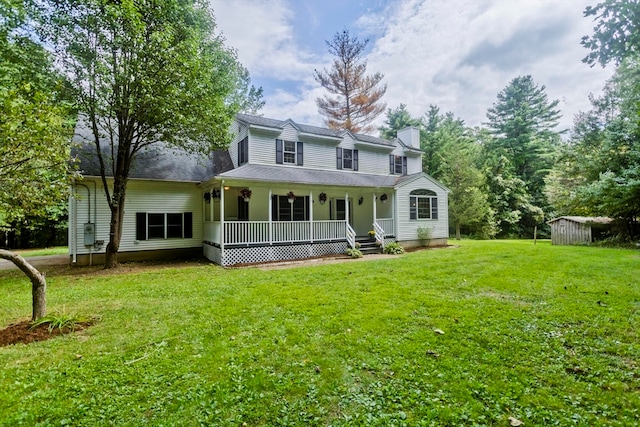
(391,164)
(279,156)
(413,208)
(188,225)
(299,153)
(338,158)
(141,226)
(434,208)
(240,149)
(404,165)
(355,160)
(274,208)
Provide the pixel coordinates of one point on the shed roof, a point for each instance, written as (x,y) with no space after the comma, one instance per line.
(584,219)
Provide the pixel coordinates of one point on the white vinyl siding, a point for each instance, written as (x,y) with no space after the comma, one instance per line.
(152,197)
(407,228)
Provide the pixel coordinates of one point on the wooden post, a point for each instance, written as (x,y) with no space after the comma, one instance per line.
(535,234)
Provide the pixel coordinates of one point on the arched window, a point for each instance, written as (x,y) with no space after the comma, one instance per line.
(423,204)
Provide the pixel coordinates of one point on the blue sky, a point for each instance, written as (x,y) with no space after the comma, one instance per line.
(456,54)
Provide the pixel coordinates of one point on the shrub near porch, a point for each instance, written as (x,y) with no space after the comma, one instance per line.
(469,335)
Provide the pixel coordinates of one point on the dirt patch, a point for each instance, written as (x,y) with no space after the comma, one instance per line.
(21,333)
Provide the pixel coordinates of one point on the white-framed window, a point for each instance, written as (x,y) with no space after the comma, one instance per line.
(397,165)
(346,158)
(423,204)
(164,225)
(289,152)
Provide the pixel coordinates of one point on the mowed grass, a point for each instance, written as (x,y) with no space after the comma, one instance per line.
(544,334)
(55,250)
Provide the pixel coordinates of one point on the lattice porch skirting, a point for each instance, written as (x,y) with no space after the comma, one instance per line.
(255,254)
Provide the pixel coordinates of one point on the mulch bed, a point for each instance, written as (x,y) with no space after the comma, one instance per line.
(20,333)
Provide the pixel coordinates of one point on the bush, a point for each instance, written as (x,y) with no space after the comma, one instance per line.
(393,248)
(354,253)
(424,234)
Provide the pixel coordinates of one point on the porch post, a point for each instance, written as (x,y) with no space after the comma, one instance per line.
(346,207)
(375,208)
(222,233)
(211,207)
(270,217)
(311,216)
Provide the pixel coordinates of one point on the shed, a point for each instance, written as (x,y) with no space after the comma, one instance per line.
(574,230)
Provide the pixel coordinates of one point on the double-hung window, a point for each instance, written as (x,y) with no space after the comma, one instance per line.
(164,225)
(289,152)
(397,165)
(346,158)
(423,204)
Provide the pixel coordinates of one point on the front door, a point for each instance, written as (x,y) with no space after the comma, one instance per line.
(339,210)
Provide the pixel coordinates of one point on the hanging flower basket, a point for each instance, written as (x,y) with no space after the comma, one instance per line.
(291,196)
(322,198)
(383,198)
(245,193)
(207,197)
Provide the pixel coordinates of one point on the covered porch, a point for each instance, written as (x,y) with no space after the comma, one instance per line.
(248,224)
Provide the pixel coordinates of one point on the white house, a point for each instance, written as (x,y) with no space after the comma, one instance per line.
(281,191)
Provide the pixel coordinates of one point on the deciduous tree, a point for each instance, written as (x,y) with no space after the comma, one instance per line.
(145,73)
(355,99)
(35,132)
(616,34)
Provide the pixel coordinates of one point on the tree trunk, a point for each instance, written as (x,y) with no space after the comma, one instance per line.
(38,283)
(115,226)
(457,231)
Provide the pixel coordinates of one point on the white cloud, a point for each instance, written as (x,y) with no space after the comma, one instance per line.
(455,54)
(262,32)
(459,55)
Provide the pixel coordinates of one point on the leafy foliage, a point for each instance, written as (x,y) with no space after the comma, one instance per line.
(145,73)
(354,252)
(355,98)
(616,34)
(523,146)
(393,248)
(35,125)
(599,170)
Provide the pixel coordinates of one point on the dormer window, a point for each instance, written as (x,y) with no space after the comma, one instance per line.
(289,152)
(346,158)
(397,165)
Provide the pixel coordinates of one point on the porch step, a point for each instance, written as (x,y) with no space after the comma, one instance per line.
(368,246)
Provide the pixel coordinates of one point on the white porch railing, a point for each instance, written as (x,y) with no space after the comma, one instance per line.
(387,225)
(258,232)
(379,234)
(351,237)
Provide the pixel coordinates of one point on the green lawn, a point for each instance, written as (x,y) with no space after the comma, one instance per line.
(56,250)
(545,334)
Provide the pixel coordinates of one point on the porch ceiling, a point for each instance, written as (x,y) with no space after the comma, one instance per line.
(297,175)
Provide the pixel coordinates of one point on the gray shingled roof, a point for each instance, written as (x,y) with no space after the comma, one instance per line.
(314,130)
(291,174)
(158,162)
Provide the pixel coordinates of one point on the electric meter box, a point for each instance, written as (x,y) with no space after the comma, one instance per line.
(89,233)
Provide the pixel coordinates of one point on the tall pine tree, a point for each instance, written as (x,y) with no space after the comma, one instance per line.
(355,98)
(523,122)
